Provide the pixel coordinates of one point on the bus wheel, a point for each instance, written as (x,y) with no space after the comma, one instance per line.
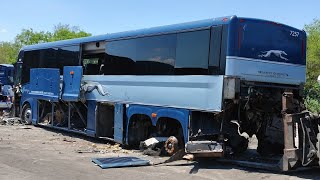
(26,115)
(171,145)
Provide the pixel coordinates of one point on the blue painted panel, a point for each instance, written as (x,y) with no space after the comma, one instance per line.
(113,162)
(265,71)
(34,111)
(45,84)
(197,92)
(182,115)
(72,76)
(91,118)
(118,123)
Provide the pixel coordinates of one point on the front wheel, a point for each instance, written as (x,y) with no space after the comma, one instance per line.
(26,114)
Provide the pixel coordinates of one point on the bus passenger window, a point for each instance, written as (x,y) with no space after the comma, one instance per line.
(91,66)
(192,53)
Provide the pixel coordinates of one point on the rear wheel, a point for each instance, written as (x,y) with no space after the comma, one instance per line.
(26,114)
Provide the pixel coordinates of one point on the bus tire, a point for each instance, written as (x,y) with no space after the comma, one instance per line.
(26,114)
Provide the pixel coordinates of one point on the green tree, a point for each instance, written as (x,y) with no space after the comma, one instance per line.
(29,36)
(9,50)
(62,32)
(312,88)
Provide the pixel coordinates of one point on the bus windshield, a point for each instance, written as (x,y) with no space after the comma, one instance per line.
(271,41)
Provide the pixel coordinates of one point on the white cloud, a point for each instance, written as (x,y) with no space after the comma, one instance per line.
(3,30)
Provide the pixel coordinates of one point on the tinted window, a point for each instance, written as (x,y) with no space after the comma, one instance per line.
(192,52)
(215,50)
(182,53)
(49,58)
(120,57)
(156,55)
(142,56)
(31,60)
(271,41)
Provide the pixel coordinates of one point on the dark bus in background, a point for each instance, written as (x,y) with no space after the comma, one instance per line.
(6,86)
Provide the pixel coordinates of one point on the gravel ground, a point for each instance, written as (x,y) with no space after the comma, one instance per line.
(29,152)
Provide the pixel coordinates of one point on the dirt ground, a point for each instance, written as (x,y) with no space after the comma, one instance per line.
(29,152)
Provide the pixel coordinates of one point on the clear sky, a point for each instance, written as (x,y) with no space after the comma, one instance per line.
(106,16)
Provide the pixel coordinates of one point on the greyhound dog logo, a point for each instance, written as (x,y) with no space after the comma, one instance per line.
(89,86)
(278,53)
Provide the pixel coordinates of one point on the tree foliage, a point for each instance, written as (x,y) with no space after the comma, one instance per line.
(312,88)
(9,50)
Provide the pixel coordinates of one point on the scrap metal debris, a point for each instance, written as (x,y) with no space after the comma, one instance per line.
(68,140)
(10,121)
(153,146)
(120,162)
(102,149)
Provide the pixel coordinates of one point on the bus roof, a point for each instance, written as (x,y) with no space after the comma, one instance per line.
(6,65)
(202,24)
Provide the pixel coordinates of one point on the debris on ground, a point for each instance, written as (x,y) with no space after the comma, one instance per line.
(189,157)
(102,149)
(24,127)
(153,146)
(10,121)
(175,157)
(68,140)
(113,162)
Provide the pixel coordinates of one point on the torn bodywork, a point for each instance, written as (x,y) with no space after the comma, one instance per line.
(274,114)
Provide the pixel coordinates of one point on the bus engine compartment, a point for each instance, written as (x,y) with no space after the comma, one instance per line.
(275,115)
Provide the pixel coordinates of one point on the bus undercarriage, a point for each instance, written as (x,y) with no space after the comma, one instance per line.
(287,134)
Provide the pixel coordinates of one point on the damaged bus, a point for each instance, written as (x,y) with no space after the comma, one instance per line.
(207,86)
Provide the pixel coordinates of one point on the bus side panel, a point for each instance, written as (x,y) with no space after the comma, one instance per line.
(136,109)
(91,118)
(118,123)
(199,92)
(181,115)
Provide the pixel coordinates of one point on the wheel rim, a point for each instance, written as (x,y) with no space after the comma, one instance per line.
(27,116)
(171,145)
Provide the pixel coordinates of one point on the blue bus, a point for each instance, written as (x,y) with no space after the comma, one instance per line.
(206,85)
(6,86)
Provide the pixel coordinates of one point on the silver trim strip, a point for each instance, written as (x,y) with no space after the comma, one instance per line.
(264,61)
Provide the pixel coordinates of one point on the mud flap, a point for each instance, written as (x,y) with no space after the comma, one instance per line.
(118,123)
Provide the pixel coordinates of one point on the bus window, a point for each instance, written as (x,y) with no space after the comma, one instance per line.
(215,50)
(59,57)
(156,55)
(271,42)
(91,65)
(31,60)
(120,57)
(192,52)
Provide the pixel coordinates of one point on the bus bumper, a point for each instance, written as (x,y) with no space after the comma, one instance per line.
(205,148)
